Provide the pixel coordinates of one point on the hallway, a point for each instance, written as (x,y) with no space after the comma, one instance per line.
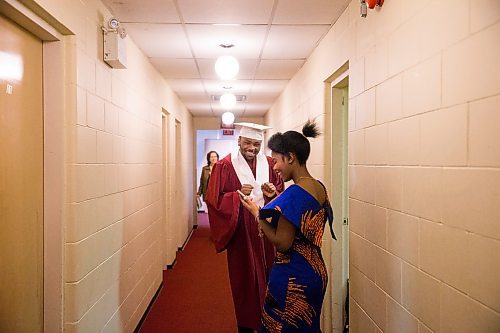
(407,99)
(195,296)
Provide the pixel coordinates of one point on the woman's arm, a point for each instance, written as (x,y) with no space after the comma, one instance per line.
(202,180)
(281,237)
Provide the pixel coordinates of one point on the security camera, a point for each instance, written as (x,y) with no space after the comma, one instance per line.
(113,23)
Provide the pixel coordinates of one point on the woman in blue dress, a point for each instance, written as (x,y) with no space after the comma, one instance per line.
(294,222)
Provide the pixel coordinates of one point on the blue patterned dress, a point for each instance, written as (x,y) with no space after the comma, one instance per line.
(298,278)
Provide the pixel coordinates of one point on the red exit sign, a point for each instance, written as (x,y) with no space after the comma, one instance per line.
(228,132)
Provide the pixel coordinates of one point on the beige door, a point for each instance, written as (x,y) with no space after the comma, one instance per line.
(21,180)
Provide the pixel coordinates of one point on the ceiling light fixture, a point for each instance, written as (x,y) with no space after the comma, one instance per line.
(227,67)
(228,101)
(227,118)
(226,45)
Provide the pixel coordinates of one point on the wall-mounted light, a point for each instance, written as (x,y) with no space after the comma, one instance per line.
(115,48)
(228,118)
(227,67)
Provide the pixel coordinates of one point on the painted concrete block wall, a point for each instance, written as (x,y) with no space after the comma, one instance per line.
(113,227)
(424,161)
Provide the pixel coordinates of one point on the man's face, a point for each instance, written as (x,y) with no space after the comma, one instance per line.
(249,148)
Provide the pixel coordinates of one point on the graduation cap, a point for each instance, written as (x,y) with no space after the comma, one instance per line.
(252,131)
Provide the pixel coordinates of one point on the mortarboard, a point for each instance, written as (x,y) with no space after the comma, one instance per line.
(252,131)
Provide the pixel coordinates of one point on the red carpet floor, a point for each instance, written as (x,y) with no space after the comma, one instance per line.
(196,296)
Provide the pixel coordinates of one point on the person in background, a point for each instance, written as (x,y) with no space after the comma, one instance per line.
(249,257)
(294,222)
(206,171)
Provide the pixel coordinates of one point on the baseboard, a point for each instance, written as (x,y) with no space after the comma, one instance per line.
(150,305)
(172,264)
(186,241)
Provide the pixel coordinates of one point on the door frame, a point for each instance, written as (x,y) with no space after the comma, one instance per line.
(336,179)
(54,44)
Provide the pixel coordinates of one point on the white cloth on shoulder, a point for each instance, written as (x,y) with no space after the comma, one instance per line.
(245,174)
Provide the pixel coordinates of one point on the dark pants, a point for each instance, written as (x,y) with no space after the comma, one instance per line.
(242,329)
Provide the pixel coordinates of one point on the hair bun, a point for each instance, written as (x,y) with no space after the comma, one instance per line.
(310,129)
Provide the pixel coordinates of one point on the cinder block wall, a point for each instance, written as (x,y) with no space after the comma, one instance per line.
(424,161)
(114,238)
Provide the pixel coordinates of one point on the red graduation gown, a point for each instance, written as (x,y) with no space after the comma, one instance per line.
(233,228)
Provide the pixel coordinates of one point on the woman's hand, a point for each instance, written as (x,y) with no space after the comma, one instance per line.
(247,202)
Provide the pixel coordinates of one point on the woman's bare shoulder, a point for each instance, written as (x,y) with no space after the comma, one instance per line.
(315,189)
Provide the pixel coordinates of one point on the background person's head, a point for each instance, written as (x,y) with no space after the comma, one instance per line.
(212,157)
(291,149)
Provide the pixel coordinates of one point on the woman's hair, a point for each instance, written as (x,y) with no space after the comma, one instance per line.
(295,142)
(210,153)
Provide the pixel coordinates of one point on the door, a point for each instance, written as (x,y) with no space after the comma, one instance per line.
(167,256)
(21,180)
(181,223)
(340,248)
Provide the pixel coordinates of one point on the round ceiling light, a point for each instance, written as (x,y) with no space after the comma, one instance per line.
(228,101)
(227,67)
(227,118)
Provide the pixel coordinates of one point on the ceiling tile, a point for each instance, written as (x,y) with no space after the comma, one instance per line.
(268,86)
(205,39)
(305,38)
(226,11)
(314,12)
(258,108)
(199,108)
(186,85)
(262,98)
(255,113)
(278,69)
(238,87)
(162,35)
(192,97)
(151,11)
(176,68)
(160,40)
(201,113)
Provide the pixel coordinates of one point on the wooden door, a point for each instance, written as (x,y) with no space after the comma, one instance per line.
(21,180)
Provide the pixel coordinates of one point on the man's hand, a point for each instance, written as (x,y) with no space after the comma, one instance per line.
(268,189)
(246,189)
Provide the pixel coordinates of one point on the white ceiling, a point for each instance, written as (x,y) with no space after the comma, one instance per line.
(272,39)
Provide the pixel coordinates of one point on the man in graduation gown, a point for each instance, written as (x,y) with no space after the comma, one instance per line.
(233,228)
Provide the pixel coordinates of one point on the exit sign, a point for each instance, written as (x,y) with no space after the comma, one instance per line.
(228,132)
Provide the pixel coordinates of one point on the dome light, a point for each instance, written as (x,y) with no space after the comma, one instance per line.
(227,118)
(228,101)
(227,67)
